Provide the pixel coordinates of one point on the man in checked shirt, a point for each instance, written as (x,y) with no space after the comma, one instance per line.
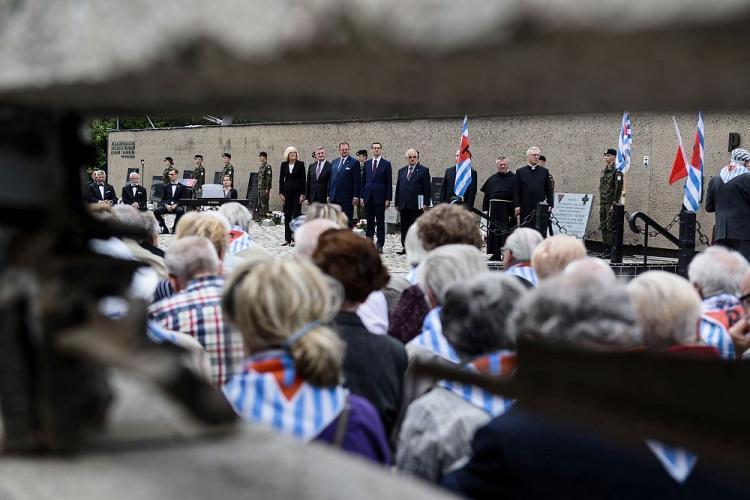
(195,308)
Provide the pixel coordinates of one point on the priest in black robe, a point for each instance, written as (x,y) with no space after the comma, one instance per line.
(498,186)
(532,185)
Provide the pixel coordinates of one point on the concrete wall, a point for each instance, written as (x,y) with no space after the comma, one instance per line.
(573,144)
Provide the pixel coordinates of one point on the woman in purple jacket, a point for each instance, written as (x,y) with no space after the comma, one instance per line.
(292,381)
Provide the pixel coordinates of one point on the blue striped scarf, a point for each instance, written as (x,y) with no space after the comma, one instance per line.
(727,175)
(525,271)
(500,364)
(269,392)
(239,243)
(432,337)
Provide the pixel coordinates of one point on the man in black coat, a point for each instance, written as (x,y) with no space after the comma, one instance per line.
(318,178)
(413,181)
(170,201)
(377,191)
(728,195)
(522,455)
(99,191)
(133,193)
(447,192)
(498,186)
(532,185)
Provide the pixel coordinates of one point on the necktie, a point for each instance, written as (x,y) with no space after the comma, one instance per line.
(408,175)
(317,171)
(374,166)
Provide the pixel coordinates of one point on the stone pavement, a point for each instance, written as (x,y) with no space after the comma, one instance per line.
(272,237)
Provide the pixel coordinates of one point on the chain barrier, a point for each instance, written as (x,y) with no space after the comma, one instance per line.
(701,237)
(501,231)
(560,229)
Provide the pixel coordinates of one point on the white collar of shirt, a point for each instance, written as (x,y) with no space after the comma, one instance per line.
(343,159)
(376,159)
(533,167)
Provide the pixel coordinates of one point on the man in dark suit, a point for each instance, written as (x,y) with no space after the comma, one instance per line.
(344,187)
(413,180)
(318,178)
(99,191)
(524,455)
(447,192)
(291,189)
(133,193)
(532,185)
(377,190)
(170,199)
(728,195)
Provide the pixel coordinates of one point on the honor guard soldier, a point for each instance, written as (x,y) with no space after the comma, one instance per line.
(228,168)
(610,190)
(265,176)
(200,176)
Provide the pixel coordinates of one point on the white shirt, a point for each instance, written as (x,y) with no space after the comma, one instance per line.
(374,313)
(101,190)
(291,167)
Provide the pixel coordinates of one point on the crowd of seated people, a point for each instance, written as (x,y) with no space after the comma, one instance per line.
(297,344)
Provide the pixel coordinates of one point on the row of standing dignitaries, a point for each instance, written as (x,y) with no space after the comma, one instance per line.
(344,183)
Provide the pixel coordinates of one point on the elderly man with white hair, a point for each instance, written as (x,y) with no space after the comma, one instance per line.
(517,255)
(667,307)
(716,274)
(195,308)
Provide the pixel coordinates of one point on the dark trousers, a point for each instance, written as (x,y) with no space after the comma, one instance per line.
(375,213)
(408,216)
(348,209)
(292,209)
(160,211)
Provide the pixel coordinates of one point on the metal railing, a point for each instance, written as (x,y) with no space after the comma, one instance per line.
(685,243)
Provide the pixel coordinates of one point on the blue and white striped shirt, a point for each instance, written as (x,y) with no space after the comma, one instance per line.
(524,271)
(432,337)
(714,334)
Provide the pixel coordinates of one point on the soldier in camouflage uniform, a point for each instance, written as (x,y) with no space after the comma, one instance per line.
(199,175)
(168,164)
(228,168)
(610,190)
(265,176)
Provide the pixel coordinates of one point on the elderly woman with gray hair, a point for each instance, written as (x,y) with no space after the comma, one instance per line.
(240,242)
(442,268)
(437,429)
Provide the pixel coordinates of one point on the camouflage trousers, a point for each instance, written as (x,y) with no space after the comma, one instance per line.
(605,221)
(262,203)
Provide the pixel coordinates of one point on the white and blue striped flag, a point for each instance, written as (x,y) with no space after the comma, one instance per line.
(694,182)
(623,144)
(463,166)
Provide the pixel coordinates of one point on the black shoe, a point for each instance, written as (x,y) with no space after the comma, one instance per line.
(380,250)
(496,257)
(164,230)
(402,252)
(173,230)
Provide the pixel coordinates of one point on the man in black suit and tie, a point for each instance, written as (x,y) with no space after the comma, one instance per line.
(377,190)
(447,192)
(133,193)
(344,187)
(318,178)
(99,191)
(170,199)
(413,182)
(532,185)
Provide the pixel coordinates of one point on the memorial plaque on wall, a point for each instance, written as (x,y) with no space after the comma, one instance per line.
(157,187)
(437,186)
(252,192)
(123,149)
(217,178)
(572,211)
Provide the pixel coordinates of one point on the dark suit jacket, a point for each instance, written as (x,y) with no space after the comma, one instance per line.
(520,455)
(141,196)
(232,194)
(407,191)
(374,366)
(731,202)
(531,187)
(449,181)
(345,184)
(180,193)
(317,189)
(292,182)
(93,195)
(377,187)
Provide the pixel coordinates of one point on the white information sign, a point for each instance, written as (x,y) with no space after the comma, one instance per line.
(572,211)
